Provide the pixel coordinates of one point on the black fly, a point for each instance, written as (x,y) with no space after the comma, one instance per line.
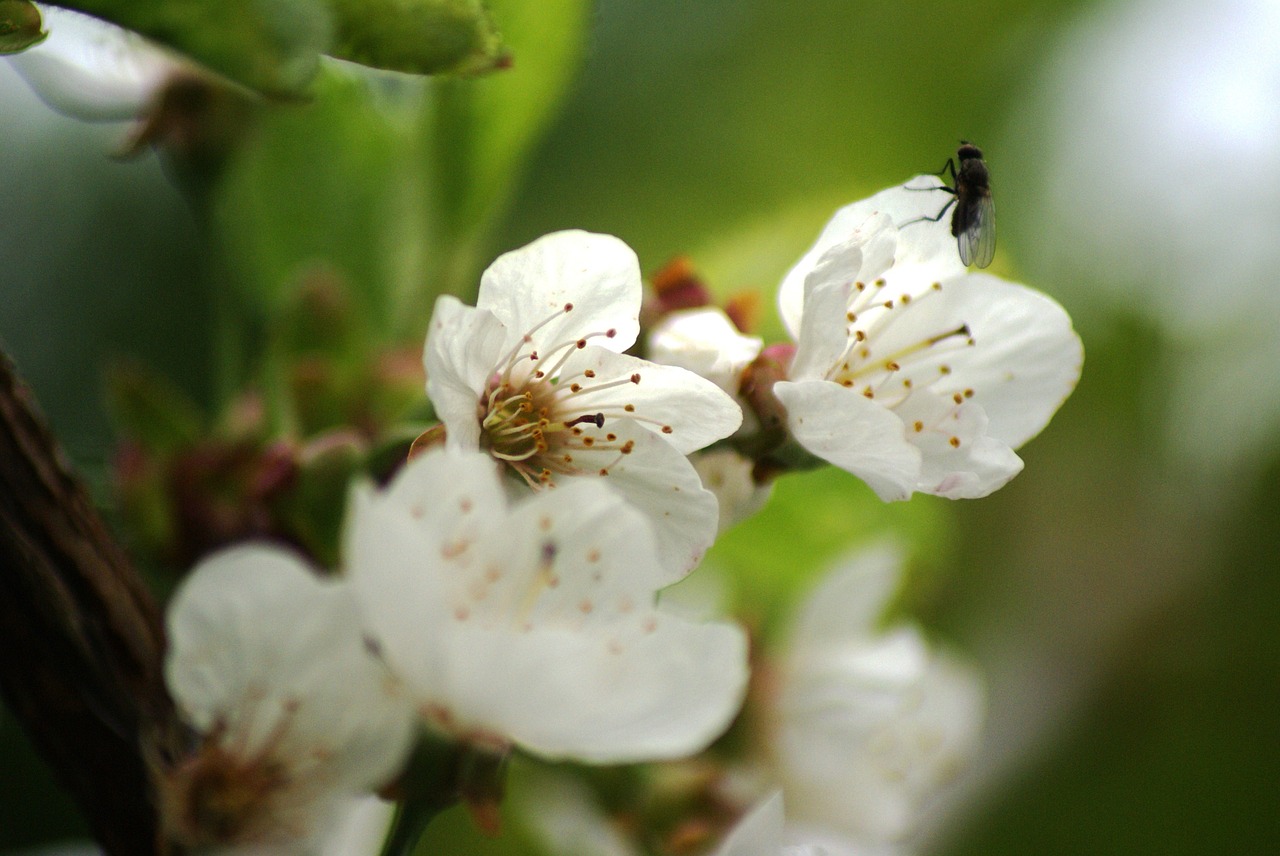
(973,223)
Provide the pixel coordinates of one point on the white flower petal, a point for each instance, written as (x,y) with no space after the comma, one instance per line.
(824,332)
(1026,360)
(450,496)
(925,252)
(598,274)
(687,410)
(588,697)
(705,342)
(271,663)
(92,70)
(869,724)
(851,598)
(959,458)
(661,483)
(729,476)
(843,427)
(463,347)
(359,827)
(397,571)
(541,629)
(759,833)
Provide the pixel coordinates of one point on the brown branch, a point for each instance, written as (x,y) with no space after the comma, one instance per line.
(81,640)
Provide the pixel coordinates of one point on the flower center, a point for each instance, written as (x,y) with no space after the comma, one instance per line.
(540,419)
(915,362)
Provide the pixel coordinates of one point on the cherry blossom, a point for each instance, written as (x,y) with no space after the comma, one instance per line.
(867,724)
(909,372)
(296,718)
(535,376)
(534,624)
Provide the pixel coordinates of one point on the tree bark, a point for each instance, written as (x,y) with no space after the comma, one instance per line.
(81,639)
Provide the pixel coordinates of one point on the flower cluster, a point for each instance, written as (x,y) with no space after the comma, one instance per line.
(502,592)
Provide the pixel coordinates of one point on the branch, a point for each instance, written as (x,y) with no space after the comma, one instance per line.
(81,640)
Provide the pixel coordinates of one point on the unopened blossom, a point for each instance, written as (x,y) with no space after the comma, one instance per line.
(90,69)
(533,624)
(730,476)
(866,724)
(909,372)
(296,719)
(534,375)
(706,342)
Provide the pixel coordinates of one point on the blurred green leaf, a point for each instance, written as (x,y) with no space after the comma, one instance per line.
(327,189)
(482,131)
(20,26)
(147,408)
(418,36)
(272,46)
(812,520)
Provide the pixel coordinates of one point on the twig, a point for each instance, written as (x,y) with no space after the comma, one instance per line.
(81,640)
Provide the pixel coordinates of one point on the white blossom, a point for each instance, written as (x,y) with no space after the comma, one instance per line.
(867,724)
(296,718)
(909,372)
(534,624)
(90,69)
(729,476)
(764,831)
(534,376)
(704,341)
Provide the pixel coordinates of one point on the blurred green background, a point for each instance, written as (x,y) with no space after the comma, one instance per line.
(1120,594)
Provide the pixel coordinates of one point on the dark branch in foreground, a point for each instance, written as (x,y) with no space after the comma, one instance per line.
(81,640)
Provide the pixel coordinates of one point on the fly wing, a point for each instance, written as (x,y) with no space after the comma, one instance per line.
(975,230)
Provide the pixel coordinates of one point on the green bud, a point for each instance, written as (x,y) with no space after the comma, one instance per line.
(417,36)
(20,26)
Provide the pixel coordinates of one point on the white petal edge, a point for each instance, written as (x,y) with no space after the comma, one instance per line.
(91,70)
(464,346)
(926,250)
(845,428)
(252,629)
(598,274)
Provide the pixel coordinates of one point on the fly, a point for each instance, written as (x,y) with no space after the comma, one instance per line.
(973,222)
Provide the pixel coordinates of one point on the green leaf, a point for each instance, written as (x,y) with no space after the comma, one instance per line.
(20,26)
(327,189)
(147,408)
(482,131)
(272,46)
(417,36)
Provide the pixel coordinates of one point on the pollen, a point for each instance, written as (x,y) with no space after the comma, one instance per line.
(918,426)
(955,442)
